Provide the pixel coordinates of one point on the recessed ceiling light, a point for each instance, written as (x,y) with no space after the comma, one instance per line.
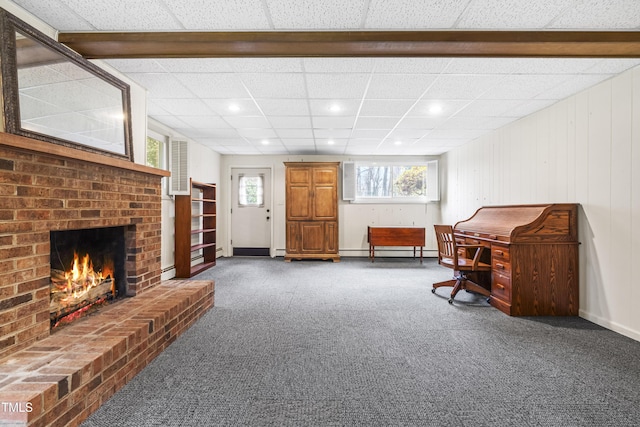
(331,142)
(265,142)
(397,143)
(334,108)
(234,107)
(435,109)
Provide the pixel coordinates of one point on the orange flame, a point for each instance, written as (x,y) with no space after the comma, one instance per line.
(81,277)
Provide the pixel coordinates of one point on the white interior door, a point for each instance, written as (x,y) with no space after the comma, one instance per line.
(250,211)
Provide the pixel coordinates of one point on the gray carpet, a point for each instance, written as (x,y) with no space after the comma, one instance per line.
(314,343)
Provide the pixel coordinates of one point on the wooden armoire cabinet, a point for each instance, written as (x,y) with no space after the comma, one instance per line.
(312,210)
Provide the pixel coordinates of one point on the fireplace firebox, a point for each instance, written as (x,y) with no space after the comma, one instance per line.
(87,271)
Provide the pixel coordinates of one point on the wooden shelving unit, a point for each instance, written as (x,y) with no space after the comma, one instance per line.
(195,229)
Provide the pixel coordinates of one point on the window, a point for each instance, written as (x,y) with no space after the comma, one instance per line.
(394,182)
(251,190)
(156,154)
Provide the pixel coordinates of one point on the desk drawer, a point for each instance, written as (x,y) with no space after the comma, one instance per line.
(501,286)
(500,266)
(500,253)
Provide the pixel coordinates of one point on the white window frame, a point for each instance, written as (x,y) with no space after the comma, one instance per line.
(432,193)
(164,153)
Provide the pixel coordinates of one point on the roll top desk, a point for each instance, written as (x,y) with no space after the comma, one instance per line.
(533,251)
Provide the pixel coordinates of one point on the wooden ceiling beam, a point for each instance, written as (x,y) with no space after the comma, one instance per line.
(567,44)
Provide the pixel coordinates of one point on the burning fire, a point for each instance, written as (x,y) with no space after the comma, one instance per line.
(80,286)
(82,277)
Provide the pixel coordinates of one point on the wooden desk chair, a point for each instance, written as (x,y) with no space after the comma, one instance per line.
(450,257)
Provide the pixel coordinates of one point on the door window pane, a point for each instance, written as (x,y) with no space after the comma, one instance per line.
(251,190)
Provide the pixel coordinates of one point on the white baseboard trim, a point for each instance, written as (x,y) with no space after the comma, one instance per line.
(614,326)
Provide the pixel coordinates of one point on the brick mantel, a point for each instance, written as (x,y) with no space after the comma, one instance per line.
(47,188)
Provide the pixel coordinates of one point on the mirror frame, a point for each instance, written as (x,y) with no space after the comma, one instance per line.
(9,26)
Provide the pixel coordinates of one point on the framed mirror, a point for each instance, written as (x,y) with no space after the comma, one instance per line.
(53,94)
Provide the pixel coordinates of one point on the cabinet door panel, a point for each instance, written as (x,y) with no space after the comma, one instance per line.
(293,237)
(331,237)
(312,237)
(299,203)
(325,203)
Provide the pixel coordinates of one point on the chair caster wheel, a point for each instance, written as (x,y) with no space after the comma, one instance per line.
(433,291)
(451,301)
(488,300)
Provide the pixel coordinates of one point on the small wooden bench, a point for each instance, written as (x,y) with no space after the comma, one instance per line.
(395,236)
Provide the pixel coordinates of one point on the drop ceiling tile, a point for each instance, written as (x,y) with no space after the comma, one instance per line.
(172,122)
(266,65)
(324,107)
(460,87)
(332,133)
(226,133)
(491,108)
(184,107)
(274,85)
(290,122)
(125,15)
(302,133)
(313,14)
(455,134)
(399,86)
(336,86)
(161,86)
(531,106)
(600,14)
(411,65)
(437,108)
(195,65)
(613,66)
(257,134)
(204,122)
(296,142)
(386,107)
(506,14)
(364,142)
(413,14)
(339,65)
(233,107)
(474,123)
(248,122)
(136,65)
(213,85)
(407,134)
(387,123)
(521,86)
(283,107)
(368,134)
(56,14)
(325,122)
(219,15)
(419,122)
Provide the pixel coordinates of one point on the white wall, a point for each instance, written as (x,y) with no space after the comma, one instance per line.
(581,150)
(353,218)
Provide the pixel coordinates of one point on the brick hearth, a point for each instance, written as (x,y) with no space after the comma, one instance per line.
(61,380)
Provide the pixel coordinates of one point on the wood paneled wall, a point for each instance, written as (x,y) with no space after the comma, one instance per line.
(584,149)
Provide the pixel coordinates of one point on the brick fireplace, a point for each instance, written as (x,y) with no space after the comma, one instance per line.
(41,193)
(59,378)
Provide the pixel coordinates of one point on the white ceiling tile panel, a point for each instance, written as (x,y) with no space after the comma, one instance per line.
(325,107)
(387,123)
(506,14)
(519,65)
(184,106)
(407,134)
(257,133)
(411,65)
(414,14)
(339,65)
(283,107)
(399,86)
(314,14)
(298,141)
(266,65)
(363,142)
(248,122)
(301,133)
(600,14)
(136,65)
(369,134)
(242,107)
(290,122)
(386,107)
(471,123)
(332,133)
(571,86)
(161,86)
(455,134)
(458,87)
(521,86)
(341,122)
(204,122)
(613,66)
(56,14)
(275,85)
(420,122)
(171,121)
(437,108)
(218,134)
(328,86)
(484,108)
(125,15)
(193,65)
(213,85)
(219,14)
(531,106)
